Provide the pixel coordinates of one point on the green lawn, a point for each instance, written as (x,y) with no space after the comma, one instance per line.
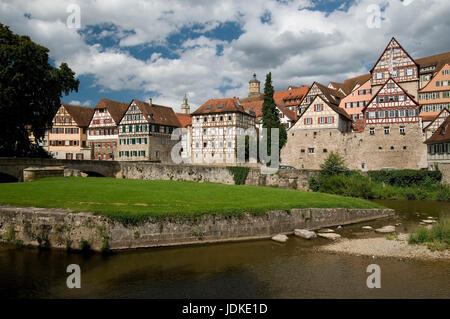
(132,200)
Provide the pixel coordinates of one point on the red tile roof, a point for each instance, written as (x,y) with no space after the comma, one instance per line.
(115,108)
(158,114)
(81,115)
(292,93)
(226,105)
(184,119)
(255,106)
(442,134)
(429,116)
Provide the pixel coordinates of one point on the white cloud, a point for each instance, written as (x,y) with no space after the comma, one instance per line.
(298,45)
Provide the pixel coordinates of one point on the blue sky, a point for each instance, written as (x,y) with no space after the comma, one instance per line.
(210,48)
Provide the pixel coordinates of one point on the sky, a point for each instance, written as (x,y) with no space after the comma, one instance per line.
(136,49)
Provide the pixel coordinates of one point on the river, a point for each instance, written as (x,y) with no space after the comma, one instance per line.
(257,269)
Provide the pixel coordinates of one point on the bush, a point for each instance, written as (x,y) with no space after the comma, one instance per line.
(436,238)
(334,164)
(240,174)
(406,177)
(354,185)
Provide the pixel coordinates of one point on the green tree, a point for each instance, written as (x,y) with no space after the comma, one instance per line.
(30,93)
(334,164)
(271,117)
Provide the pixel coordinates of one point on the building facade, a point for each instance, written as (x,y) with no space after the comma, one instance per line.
(216,126)
(67,138)
(433,125)
(357,99)
(103,133)
(145,132)
(435,96)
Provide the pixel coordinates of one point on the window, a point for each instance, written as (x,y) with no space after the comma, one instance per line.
(325,150)
(379,75)
(330,119)
(318,107)
(402,130)
(438,83)
(394,73)
(387,130)
(401,113)
(308,121)
(381,114)
(372,115)
(391,113)
(392,147)
(311,150)
(229,118)
(302,150)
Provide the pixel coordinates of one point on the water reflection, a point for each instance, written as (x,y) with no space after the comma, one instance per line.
(258,269)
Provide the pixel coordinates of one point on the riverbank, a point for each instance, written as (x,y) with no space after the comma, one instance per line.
(133,201)
(394,247)
(58,228)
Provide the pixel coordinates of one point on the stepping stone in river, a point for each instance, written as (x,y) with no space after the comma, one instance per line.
(280,238)
(428,221)
(367,227)
(386,229)
(331,236)
(304,233)
(326,230)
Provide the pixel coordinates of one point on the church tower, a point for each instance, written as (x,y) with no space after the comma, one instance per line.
(254,87)
(185,108)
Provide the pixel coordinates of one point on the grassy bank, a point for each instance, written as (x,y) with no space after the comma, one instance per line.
(133,200)
(436,238)
(336,178)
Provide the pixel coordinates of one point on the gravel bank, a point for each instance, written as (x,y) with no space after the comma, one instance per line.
(382,247)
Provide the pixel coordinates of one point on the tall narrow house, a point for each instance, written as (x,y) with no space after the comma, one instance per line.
(68,134)
(145,132)
(103,135)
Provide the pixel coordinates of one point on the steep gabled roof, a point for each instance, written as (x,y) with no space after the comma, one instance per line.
(288,113)
(439,60)
(184,119)
(442,134)
(80,114)
(444,110)
(379,58)
(335,108)
(350,84)
(226,105)
(158,114)
(115,108)
(432,79)
(381,88)
(333,96)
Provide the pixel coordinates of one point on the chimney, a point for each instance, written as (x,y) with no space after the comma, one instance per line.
(150,101)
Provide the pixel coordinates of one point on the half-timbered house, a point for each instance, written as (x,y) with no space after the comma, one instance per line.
(395,62)
(68,134)
(103,133)
(431,127)
(145,132)
(216,126)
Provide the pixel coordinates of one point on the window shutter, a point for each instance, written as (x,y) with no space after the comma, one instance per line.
(304,120)
(332,119)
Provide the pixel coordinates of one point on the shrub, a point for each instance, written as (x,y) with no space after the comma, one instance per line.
(240,174)
(334,164)
(354,185)
(436,238)
(406,177)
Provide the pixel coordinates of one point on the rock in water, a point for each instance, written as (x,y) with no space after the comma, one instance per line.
(428,221)
(331,236)
(386,229)
(280,238)
(326,230)
(304,233)
(367,227)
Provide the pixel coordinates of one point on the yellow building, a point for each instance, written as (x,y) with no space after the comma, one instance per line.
(68,135)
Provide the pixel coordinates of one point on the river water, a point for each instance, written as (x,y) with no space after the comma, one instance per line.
(257,269)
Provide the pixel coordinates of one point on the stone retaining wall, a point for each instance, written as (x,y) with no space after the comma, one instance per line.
(63,229)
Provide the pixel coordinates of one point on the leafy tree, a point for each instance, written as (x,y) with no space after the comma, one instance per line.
(30,93)
(271,117)
(334,164)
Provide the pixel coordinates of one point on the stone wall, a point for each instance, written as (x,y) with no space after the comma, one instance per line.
(63,229)
(361,151)
(445,169)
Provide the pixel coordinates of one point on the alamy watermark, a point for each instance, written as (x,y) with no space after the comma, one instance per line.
(74,19)
(248,147)
(374,279)
(74,279)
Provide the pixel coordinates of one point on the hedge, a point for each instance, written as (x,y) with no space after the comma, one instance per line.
(405,177)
